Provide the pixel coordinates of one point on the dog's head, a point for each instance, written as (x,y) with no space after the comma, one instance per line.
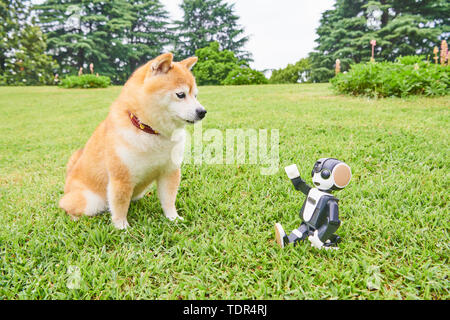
(169,91)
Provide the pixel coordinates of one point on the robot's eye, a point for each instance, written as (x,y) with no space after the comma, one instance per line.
(325,174)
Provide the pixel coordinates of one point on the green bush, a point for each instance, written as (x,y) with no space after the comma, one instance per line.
(86,81)
(293,73)
(214,65)
(409,75)
(240,76)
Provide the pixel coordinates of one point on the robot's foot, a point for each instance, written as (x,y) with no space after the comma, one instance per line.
(280,235)
(333,241)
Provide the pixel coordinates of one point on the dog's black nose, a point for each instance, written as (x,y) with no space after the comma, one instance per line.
(201,113)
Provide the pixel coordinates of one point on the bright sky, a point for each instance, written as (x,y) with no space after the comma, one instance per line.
(281,31)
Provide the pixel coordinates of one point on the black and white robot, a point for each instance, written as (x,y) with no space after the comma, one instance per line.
(319,213)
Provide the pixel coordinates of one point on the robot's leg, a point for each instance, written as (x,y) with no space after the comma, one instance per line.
(280,235)
(333,241)
(299,234)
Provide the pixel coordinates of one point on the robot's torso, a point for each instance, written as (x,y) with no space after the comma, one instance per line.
(314,211)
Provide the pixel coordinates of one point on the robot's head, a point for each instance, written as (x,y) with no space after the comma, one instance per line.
(330,174)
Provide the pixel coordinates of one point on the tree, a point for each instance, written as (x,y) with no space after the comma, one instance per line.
(293,73)
(139,34)
(4,23)
(342,35)
(206,21)
(218,67)
(400,27)
(77,33)
(214,64)
(10,12)
(148,34)
(409,27)
(116,36)
(29,64)
(23,60)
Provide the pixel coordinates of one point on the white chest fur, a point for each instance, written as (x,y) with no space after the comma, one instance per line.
(148,155)
(312,200)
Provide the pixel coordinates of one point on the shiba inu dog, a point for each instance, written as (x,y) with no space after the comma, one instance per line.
(141,141)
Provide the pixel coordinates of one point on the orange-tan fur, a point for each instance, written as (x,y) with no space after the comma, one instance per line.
(119,162)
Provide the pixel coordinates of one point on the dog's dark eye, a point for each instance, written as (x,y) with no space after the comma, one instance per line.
(181,95)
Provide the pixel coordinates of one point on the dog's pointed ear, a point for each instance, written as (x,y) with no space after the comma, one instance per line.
(161,64)
(189,63)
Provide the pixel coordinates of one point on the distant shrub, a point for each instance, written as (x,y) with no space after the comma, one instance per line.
(411,60)
(293,73)
(214,65)
(240,76)
(409,75)
(86,81)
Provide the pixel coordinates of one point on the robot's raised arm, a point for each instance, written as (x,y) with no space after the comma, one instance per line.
(297,181)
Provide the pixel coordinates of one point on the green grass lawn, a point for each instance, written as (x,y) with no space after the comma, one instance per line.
(395,211)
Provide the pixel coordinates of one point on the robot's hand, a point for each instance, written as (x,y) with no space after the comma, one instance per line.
(315,241)
(292,171)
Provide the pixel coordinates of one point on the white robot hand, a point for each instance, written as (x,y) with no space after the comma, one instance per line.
(292,171)
(315,241)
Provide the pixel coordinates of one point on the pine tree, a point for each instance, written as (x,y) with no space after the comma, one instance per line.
(29,64)
(409,27)
(10,12)
(77,33)
(115,33)
(207,21)
(116,36)
(149,33)
(400,27)
(23,58)
(4,21)
(342,35)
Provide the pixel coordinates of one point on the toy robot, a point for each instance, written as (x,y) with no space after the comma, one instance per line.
(319,212)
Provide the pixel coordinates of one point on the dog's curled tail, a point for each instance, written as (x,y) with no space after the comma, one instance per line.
(73,160)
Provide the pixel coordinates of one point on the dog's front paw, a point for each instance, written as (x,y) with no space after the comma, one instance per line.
(174,217)
(74,218)
(121,224)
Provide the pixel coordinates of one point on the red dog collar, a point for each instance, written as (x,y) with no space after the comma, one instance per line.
(141,126)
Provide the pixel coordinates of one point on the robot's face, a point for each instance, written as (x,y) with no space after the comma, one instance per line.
(323,183)
(330,174)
